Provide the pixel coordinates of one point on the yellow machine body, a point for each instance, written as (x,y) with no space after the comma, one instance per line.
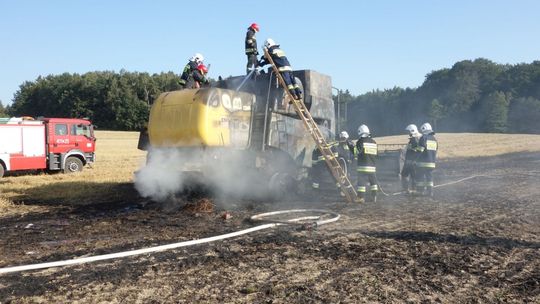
(211,117)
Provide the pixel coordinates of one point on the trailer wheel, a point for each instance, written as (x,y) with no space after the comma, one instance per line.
(2,170)
(73,164)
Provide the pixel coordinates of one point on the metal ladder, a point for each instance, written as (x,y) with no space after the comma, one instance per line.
(331,161)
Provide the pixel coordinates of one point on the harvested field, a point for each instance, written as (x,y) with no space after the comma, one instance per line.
(477,241)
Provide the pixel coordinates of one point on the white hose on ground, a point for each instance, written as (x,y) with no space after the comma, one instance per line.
(180,244)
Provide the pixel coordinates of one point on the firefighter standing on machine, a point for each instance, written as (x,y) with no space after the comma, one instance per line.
(426,161)
(408,173)
(366,152)
(251,47)
(199,76)
(190,68)
(283,66)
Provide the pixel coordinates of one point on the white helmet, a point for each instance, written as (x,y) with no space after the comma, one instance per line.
(426,128)
(198,58)
(269,43)
(413,130)
(344,135)
(363,131)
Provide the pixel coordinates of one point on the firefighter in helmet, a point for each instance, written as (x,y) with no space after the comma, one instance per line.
(345,149)
(251,47)
(426,161)
(189,69)
(199,76)
(283,66)
(412,153)
(366,153)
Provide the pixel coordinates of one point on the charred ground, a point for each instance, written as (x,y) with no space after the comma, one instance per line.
(477,241)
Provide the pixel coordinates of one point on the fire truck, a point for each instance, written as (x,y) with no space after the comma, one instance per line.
(53,144)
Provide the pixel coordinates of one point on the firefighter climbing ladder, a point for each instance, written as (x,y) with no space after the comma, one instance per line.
(333,164)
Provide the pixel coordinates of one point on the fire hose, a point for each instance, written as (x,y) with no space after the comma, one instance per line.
(314,222)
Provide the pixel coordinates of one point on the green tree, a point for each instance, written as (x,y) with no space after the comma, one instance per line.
(436,112)
(3,112)
(524,115)
(495,106)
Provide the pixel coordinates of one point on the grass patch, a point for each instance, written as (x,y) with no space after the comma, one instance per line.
(111,177)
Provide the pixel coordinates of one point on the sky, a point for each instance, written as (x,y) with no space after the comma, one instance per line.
(362,45)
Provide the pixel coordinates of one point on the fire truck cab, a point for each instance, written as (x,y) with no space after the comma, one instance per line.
(46,143)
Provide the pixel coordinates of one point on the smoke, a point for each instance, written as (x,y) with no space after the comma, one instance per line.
(216,171)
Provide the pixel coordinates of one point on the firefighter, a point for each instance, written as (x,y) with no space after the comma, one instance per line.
(411,155)
(345,149)
(251,47)
(426,160)
(189,69)
(366,152)
(283,65)
(319,168)
(199,76)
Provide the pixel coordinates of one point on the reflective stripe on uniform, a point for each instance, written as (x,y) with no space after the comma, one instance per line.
(370,148)
(278,53)
(431,145)
(290,87)
(425,165)
(182,81)
(315,186)
(366,169)
(361,189)
(285,68)
(373,187)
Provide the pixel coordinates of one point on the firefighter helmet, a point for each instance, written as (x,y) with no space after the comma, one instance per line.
(255,27)
(426,128)
(202,68)
(413,130)
(269,43)
(344,135)
(363,131)
(198,58)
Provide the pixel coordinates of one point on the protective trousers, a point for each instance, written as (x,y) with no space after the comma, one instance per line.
(365,178)
(408,176)
(252,62)
(293,87)
(424,180)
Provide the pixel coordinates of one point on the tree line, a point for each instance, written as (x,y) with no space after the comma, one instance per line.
(472,96)
(113,101)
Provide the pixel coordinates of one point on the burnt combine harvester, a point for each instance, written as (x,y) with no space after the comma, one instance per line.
(240,136)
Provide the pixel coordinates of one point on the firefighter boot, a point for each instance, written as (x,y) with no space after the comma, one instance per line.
(429,191)
(374,196)
(361,197)
(405,185)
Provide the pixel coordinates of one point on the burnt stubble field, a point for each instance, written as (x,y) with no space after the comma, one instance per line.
(477,241)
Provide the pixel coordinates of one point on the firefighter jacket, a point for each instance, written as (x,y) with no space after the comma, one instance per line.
(279,58)
(428,145)
(413,149)
(199,78)
(251,42)
(190,67)
(366,152)
(345,150)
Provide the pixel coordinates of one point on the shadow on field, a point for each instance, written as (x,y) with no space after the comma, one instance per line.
(77,194)
(468,240)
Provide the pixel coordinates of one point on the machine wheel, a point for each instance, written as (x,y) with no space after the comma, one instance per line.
(2,170)
(73,164)
(282,185)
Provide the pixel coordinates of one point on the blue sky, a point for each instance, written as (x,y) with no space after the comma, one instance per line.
(363,45)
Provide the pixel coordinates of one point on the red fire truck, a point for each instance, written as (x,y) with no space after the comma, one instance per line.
(46,143)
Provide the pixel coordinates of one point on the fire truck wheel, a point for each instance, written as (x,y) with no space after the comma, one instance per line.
(73,164)
(1,170)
